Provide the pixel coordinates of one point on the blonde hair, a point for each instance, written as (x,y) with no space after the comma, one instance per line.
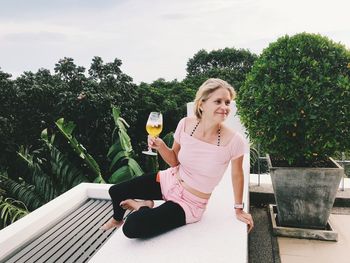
(207,88)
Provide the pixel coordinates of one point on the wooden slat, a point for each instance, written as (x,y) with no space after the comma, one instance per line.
(81,235)
(94,243)
(22,255)
(97,243)
(73,239)
(56,244)
(50,242)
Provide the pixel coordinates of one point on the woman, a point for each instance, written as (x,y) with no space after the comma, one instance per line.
(202,150)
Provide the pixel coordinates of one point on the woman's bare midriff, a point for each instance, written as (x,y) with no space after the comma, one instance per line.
(192,190)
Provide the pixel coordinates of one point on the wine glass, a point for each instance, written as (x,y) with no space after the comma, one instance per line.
(154,127)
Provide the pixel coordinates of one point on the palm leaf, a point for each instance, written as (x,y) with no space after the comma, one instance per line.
(135,167)
(66,174)
(125,140)
(66,128)
(118,158)
(122,174)
(22,192)
(123,166)
(43,183)
(159,163)
(114,149)
(11,210)
(169,139)
(116,115)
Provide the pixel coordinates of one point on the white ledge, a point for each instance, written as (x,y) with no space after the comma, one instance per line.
(17,234)
(218,237)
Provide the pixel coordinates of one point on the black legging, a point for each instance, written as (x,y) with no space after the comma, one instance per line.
(145,222)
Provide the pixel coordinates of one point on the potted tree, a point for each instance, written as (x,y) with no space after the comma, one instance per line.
(295,103)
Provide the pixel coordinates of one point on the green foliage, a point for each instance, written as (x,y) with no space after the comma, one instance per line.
(169,141)
(123,167)
(154,163)
(34,101)
(44,186)
(6,120)
(11,210)
(66,175)
(21,191)
(87,101)
(66,128)
(229,64)
(254,156)
(49,176)
(7,143)
(295,102)
(50,172)
(170,98)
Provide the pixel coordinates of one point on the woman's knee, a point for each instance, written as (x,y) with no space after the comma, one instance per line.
(132,227)
(116,191)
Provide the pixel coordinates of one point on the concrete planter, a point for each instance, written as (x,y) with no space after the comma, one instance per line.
(305,196)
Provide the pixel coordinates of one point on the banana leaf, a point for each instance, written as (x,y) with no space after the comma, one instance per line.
(66,128)
(122,174)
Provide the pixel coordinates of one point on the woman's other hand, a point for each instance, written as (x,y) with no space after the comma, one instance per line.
(246,218)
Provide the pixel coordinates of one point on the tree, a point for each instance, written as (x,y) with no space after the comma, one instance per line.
(229,64)
(7,128)
(68,71)
(34,101)
(168,97)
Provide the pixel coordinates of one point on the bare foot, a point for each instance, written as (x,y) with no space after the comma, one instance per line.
(111,223)
(132,204)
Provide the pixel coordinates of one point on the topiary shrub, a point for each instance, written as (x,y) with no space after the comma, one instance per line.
(296,100)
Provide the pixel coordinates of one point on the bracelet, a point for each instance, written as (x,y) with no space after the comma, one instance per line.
(239,206)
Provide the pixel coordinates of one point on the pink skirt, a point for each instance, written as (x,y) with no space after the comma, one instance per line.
(172,190)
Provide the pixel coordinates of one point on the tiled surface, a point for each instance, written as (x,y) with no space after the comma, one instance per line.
(293,250)
(297,259)
(301,250)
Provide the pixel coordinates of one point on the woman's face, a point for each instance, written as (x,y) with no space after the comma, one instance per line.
(217,106)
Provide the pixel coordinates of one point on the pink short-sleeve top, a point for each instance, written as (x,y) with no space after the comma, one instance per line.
(202,165)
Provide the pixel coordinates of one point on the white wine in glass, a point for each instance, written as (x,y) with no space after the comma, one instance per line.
(154,127)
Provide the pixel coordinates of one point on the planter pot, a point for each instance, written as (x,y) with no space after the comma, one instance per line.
(305,196)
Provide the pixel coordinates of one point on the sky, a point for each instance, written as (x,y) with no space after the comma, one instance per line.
(154,38)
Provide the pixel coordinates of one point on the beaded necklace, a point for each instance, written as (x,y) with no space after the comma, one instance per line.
(219,132)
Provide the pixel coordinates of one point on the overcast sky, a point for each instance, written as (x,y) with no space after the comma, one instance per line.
(154,38)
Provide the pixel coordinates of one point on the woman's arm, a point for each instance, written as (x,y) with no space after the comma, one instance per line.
(238,186)
(168,155)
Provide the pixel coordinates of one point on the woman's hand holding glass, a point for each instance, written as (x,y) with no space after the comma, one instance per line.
(154,142)
(154,127)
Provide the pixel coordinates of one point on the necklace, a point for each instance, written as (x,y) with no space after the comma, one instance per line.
(219,132)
